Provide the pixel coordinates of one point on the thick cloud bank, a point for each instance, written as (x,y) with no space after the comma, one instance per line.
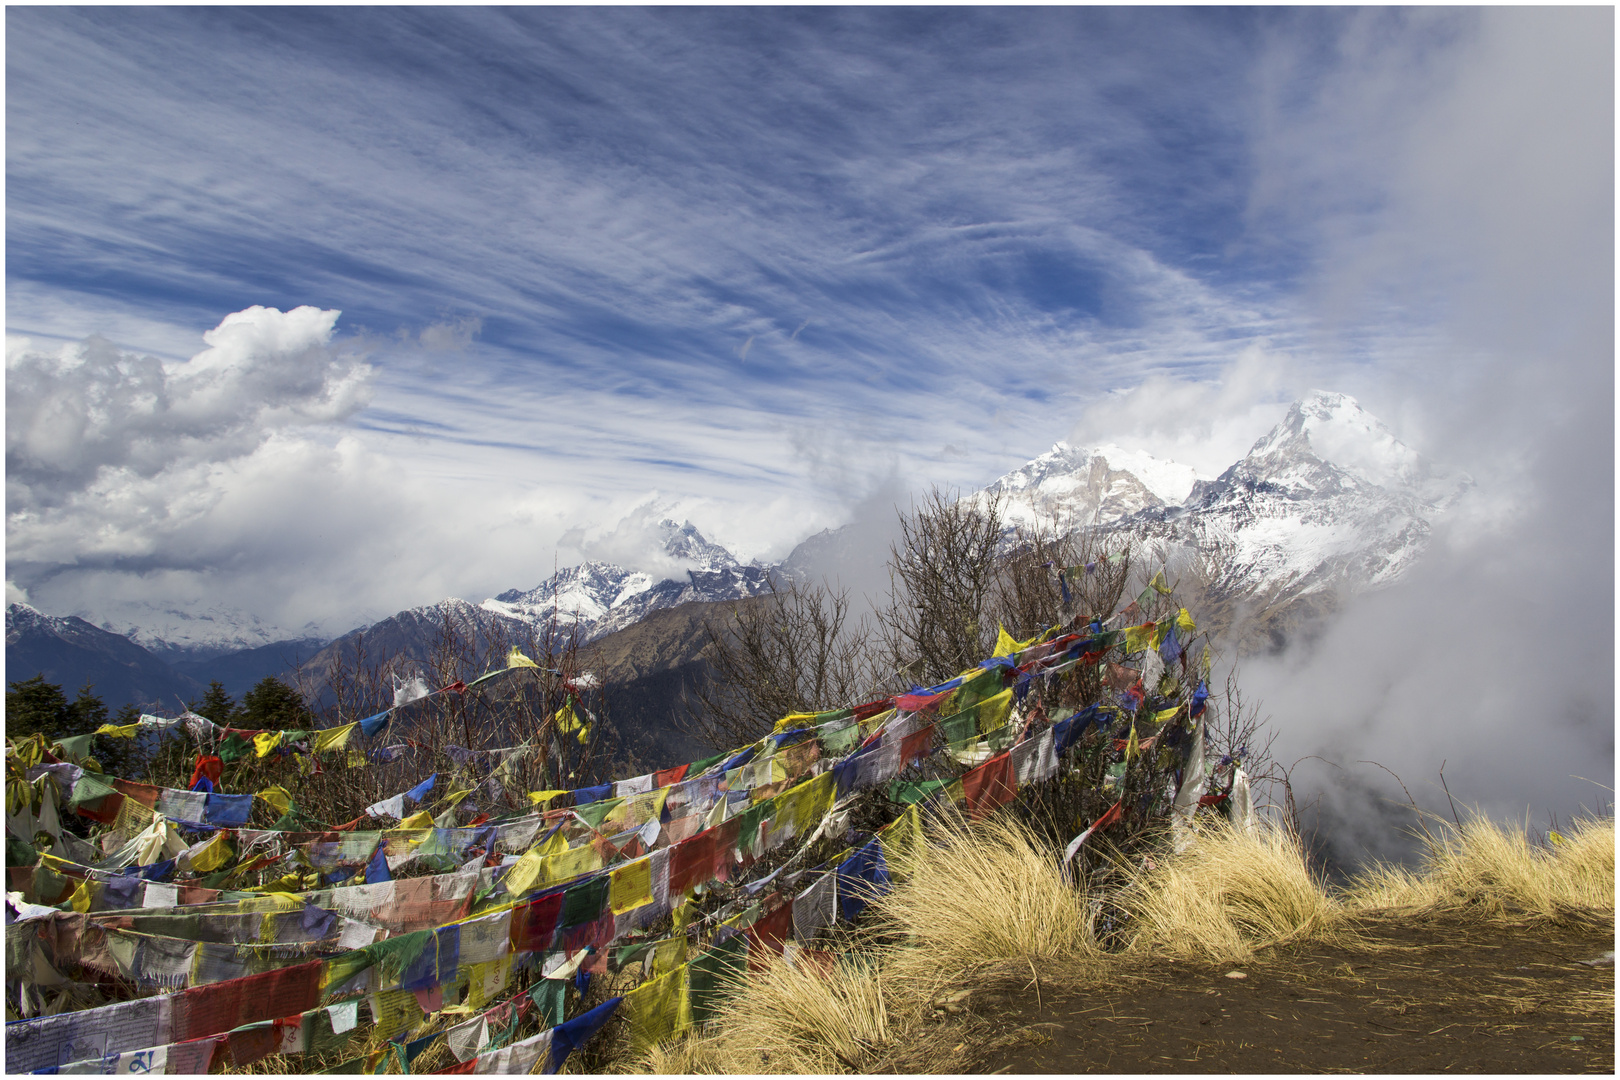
(1492,163)
(123,470)
(89,416)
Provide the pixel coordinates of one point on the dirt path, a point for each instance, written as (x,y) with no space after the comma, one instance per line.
(1410,997)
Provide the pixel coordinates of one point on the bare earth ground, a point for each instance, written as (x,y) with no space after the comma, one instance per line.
(1407,996)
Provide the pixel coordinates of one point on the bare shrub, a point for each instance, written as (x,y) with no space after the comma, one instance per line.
(942,572)
(793,650)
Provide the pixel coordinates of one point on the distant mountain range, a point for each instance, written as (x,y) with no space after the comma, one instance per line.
(1327,503)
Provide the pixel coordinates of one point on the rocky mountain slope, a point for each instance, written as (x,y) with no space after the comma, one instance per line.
(70,652)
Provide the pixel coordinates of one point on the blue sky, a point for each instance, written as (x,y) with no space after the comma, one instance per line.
(747,265)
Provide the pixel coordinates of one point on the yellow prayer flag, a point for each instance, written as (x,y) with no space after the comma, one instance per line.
(1138,638)
(1005,645)
(277,798)
(515,658)
(630,886)
(993,711)
(550,860)
(901,841)
(524,873)
(1159,585)
(333,738)
(1184,621)
(81,897)
(266,741)
(669,955)
(569,723)
(540,798)
(636,810)
(1167,714)
(681,916)
(125,732)
(794,719)
(212,855)
(419,820)
(808,803)
(660,1008)
(452,800)
(571,864)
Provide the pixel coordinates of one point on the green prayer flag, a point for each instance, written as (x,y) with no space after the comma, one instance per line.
(584,902)
(698,766)
(715,975)
(234,747)
(913,791)
(78,746)
(547,995)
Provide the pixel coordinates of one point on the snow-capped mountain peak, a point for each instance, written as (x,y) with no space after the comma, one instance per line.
(684,542)
(600,597)
(1329,499)
(1069,484)
(1329,442)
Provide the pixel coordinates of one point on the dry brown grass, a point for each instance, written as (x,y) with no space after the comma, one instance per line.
(988,892)
(1491,871)
(789,1020)
(983,893)
(1228,896)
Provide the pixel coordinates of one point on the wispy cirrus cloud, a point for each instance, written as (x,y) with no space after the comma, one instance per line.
(752,265)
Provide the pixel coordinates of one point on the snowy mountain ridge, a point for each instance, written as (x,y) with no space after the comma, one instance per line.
(598,598)
(1328,499)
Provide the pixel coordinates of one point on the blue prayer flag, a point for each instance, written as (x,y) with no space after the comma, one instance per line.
(377,868)
(416,793)
(566,1038)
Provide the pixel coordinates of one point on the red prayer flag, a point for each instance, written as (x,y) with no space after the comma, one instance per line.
(872,708)
(210,766)
(253,1044)
(918,702)
(534,923)
(223,1006)
(145,794)
(691,864)
(769,933)
(666,777)
(916,746)
(990,785)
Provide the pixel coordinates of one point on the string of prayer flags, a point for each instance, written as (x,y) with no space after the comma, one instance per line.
(458,932)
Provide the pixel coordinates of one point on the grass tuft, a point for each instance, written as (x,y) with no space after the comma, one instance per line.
(787,1020)
(1491,871)
(1228,896)
(983,893)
